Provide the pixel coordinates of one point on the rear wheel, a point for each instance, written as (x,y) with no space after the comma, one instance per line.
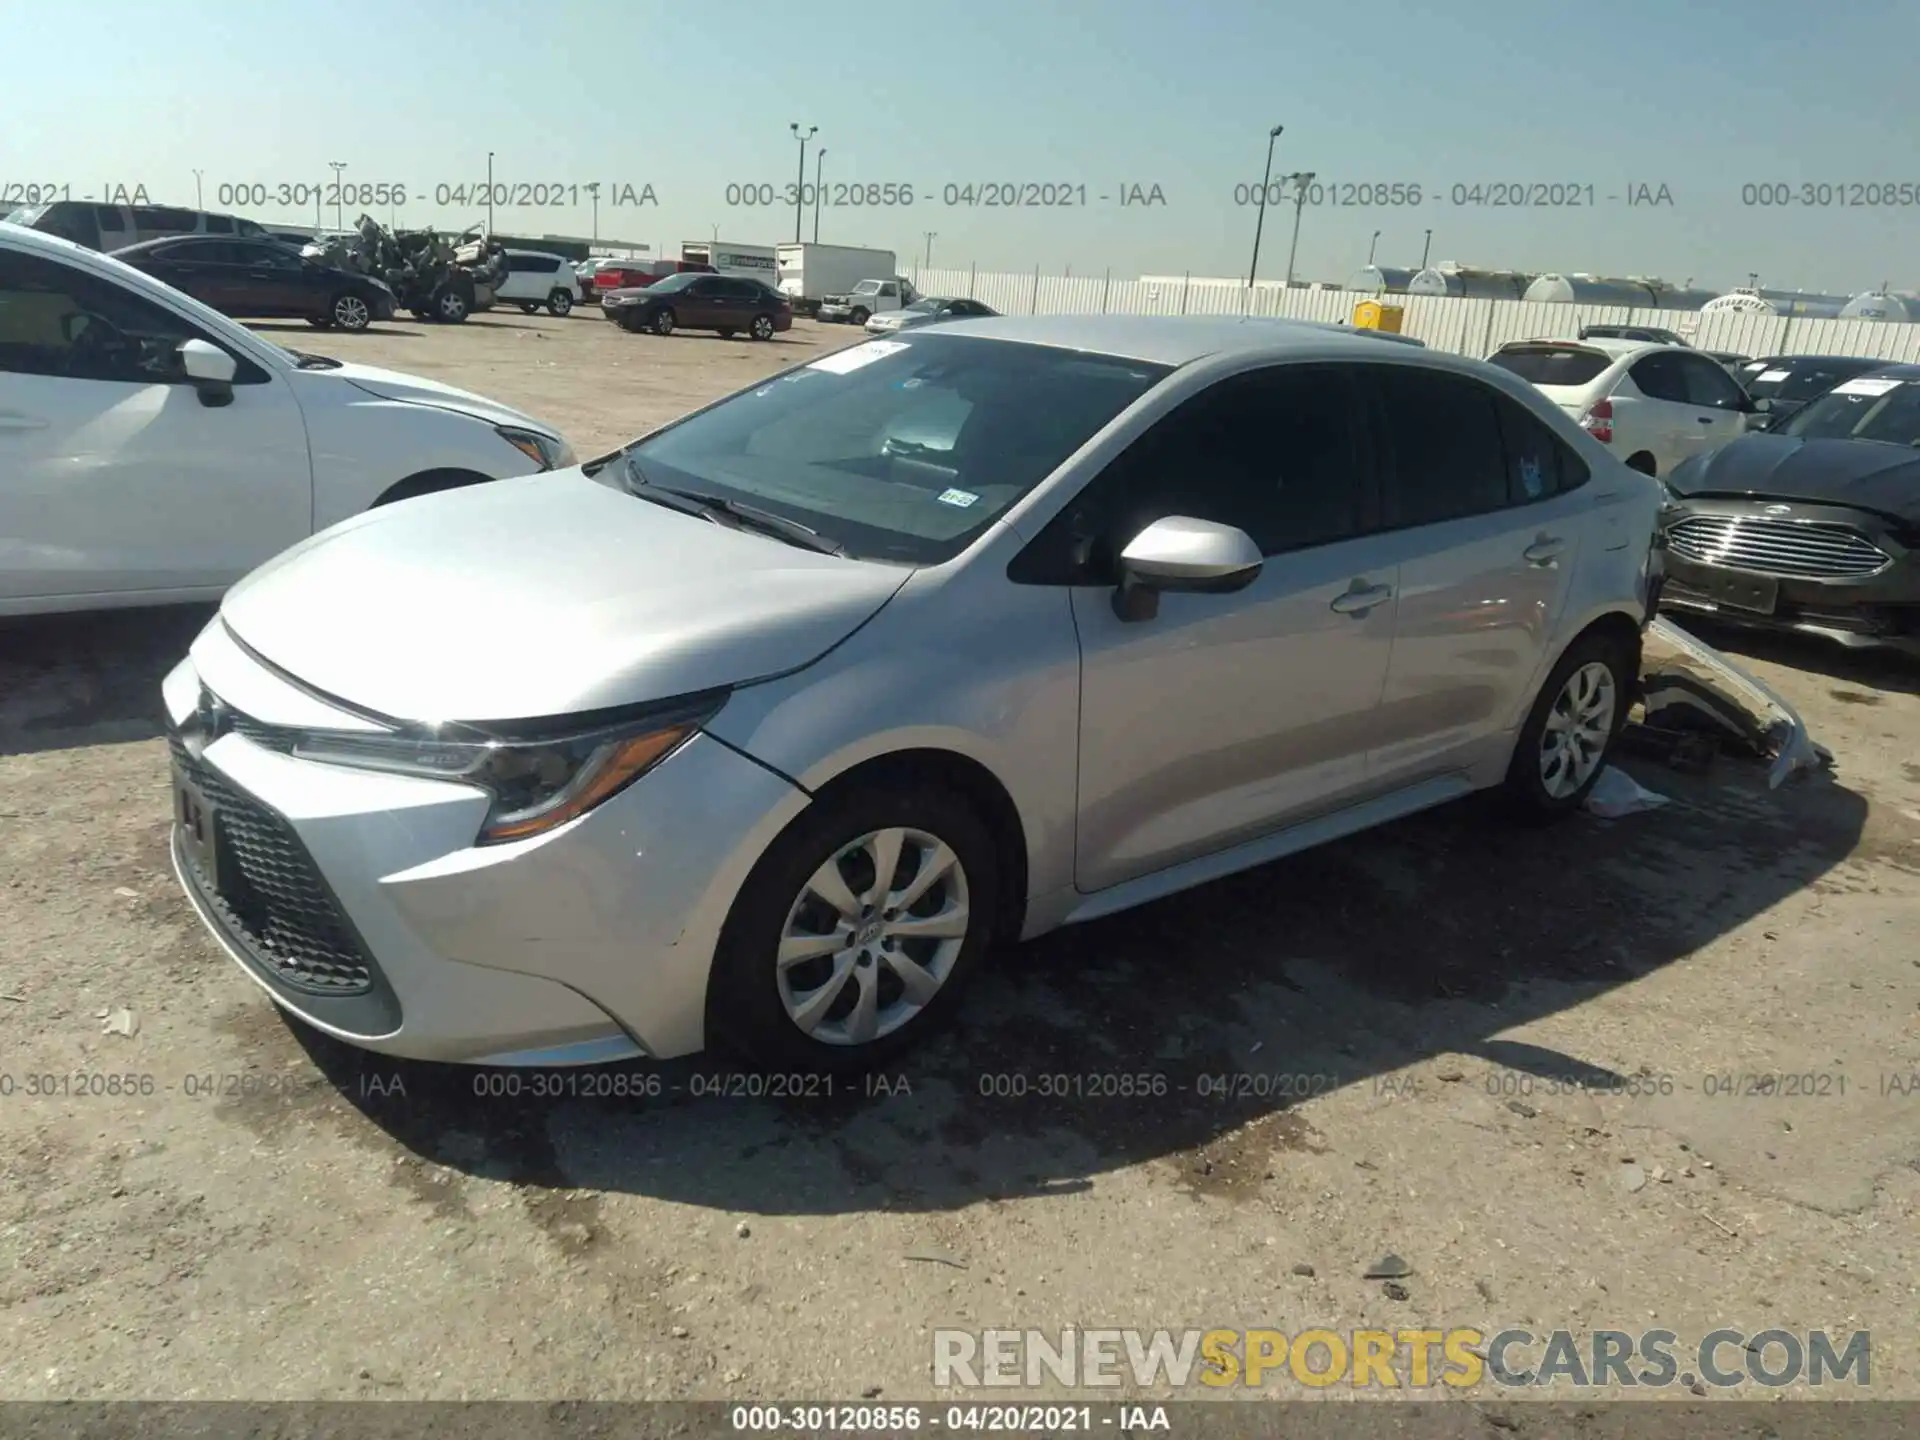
(350,312)
(528,309)
(853,936)
(560,302)
(1568,735)
(762,327)
(663,319)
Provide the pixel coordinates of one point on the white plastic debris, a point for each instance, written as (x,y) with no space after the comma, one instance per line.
(121,1021)
(1785,733)
(1617,793)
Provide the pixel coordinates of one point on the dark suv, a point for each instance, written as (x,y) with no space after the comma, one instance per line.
(701,302)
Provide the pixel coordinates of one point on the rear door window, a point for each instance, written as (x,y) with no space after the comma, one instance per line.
(1448,458)
(1560,365)
(1539,462)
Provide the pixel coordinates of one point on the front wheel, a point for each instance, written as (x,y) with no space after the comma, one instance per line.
(350,312)
(451,306)
(855,932)
(1568,735)
(560,303)
(762,327)
(663,321)
(859,316)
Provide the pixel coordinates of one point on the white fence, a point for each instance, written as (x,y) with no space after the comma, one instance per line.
(1465,327)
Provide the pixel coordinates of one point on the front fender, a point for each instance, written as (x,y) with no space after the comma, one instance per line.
(363,444)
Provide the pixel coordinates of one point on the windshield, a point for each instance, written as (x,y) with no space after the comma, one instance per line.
(1865,408)
(25,215)
(672,283)
(1564,365)
(1803,380)
(925,307)
(867,287)
(899,450)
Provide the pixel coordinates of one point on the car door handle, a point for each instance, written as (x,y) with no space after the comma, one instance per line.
(1360,599)
(1545,550)
(21,422)
(1706,419)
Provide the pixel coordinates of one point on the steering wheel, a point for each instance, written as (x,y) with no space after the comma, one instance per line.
(93,341)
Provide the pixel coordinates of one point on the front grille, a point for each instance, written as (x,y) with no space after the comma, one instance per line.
(271,898)
(1776,547)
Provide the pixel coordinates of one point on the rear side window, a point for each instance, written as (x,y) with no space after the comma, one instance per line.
(1539,462)
(164,219)
(1660,377)
(1566,365)
(110,218)
(1448,456)
(219,225)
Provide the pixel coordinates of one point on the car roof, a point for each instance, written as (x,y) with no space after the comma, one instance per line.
(1180,340)
(1775,361)
(1603,344)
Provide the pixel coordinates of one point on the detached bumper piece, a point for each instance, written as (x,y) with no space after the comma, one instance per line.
(1690,688)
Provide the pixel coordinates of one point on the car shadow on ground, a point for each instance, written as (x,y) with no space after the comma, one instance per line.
(90,678)
(380,328)
(1184,1032)
(1859,669)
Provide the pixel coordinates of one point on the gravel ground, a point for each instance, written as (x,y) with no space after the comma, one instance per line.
(271,1215)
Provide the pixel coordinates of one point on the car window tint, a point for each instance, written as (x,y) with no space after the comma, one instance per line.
(109,217)
(1659,377)
(1272,451)
(1539,462)
(1444,437)
(160,219)
(219,225)
(58,320)
(1709,385)
(1552,364)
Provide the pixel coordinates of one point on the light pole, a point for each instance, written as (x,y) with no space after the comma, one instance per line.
(593,189)
(800,182)
(1260,224)
(199,196)
(489,194)
(1301,179)
(1426,250)
(339,222)
(932,235)
(1371,246)
(819,158)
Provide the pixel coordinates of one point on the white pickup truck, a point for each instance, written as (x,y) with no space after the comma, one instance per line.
(869,297)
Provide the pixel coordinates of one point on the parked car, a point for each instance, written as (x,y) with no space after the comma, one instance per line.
(638,274)
(535,279)
(1727,359)
(263,278)
(757,732)
(1655,405)
(928,310)
(114,227)
(701,302)
(1812,526)
(1652,333)
(152,450)
(1788,382)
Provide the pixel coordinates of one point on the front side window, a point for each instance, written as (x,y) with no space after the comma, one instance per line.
(1709,386)
(1659,377)
(902,450)
(57,320)
(1448,458)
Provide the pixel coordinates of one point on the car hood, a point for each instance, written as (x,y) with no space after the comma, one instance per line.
(416,390)
(543,596)
(1863,473)
(625,292)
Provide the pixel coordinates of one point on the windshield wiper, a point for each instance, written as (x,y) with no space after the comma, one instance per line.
(742,517)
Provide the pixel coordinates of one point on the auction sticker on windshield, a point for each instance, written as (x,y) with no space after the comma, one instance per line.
(845,362)
(1867,385)
(1770,376)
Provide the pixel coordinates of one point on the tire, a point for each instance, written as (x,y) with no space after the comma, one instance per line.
(762,327)
(663,319)
(560,304)
(751,999)
(451,305)
(860,316)
(1535,790)
(350,312)
(526,309)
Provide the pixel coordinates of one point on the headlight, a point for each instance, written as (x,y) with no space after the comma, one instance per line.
(545,451)
(537,785)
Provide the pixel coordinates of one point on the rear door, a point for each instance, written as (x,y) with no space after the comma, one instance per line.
(1484,523)
(702,305)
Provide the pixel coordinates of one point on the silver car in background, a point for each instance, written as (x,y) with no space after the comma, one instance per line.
(758,732)
(928,310)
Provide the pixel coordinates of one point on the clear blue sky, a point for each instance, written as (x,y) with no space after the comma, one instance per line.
(1702,96)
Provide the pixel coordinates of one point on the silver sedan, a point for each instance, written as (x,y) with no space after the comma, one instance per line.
(928,310)
(758,732)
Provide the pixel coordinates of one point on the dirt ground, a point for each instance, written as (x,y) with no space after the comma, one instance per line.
(1395,1021)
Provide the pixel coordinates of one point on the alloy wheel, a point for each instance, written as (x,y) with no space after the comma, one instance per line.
(762,328)
(872,936)
(1578,727)
(350,313)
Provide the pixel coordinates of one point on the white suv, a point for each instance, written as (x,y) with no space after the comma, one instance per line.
(534,279)
(1654,404)
(153,451)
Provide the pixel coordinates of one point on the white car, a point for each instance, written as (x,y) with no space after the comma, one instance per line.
(153,451)
(535,279)
(1655,405)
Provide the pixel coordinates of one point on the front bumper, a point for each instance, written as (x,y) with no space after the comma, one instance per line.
(383,307)
(588,944)
(1877,608)
(835,314)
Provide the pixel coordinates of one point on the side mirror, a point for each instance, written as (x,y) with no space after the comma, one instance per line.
(1182,554)
(210,369)
(1761,407)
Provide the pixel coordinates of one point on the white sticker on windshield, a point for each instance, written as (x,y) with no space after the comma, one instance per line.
(845,362)
(1769,376)
(1867,385)
(962,498)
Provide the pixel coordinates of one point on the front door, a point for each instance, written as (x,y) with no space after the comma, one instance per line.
(114,477)
(1227,716)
